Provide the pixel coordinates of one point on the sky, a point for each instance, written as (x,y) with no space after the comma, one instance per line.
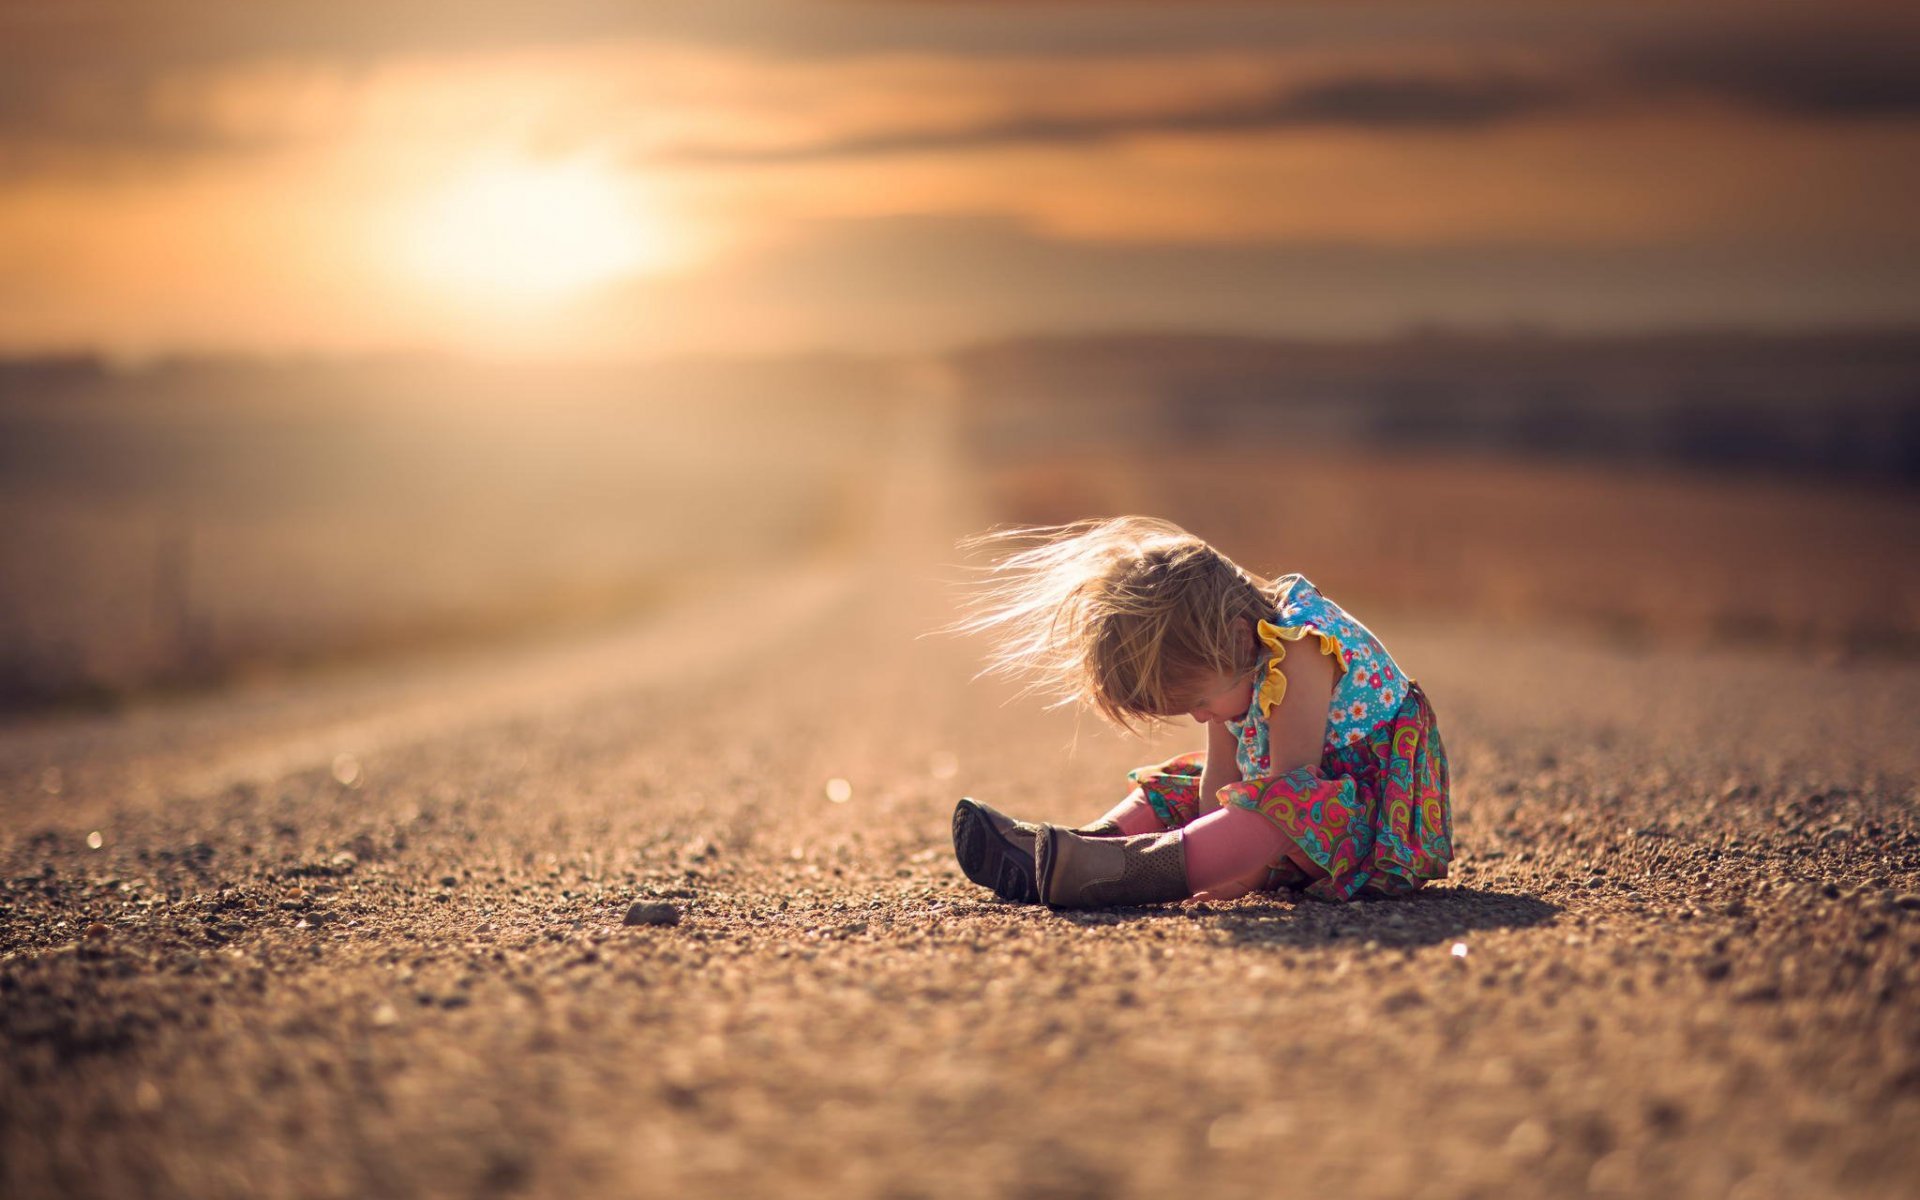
(574,179)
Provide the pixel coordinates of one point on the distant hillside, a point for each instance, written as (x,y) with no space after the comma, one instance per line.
(196,520)
(1844,404)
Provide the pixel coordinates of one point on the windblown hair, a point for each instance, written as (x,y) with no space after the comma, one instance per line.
(1126,614)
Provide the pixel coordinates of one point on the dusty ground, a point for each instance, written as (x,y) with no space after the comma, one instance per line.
(362,935)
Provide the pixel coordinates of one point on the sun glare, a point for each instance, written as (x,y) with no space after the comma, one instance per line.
(511,231)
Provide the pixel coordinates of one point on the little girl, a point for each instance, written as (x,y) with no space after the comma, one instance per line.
(1324,768)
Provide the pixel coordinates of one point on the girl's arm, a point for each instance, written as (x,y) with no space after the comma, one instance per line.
(1223,765)
(1296,737)
(1297,726)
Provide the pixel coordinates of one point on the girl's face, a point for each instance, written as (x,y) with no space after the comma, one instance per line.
(1218,696)
(1221,696)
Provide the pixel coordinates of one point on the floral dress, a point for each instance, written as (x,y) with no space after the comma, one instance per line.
(1374,815)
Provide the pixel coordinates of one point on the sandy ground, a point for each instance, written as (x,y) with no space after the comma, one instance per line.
(363,936)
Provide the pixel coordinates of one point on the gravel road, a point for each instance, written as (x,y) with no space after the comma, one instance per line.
(366,935)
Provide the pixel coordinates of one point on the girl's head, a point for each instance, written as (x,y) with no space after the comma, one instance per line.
(1131,615)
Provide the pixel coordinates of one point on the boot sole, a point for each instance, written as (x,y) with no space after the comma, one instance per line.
(989,859)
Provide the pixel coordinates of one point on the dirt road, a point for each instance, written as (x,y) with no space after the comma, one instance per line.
(364,936)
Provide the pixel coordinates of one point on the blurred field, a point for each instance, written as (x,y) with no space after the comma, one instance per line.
(1683,488)
(195,522)
(189,523)
(1628,553)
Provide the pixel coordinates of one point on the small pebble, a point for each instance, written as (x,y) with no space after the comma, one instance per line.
(1402,1000)
(346,770)
(1529,1140)
(646,913)
(95,840)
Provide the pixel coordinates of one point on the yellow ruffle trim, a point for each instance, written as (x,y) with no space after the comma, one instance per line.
(1273,689)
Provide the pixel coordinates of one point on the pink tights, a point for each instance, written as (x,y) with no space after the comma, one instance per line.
(1227,850)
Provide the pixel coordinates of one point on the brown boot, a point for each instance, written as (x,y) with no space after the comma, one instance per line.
(1074,871)
(995,850)
(1102,828)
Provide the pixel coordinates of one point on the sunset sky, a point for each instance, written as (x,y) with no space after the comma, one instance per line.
(567,178)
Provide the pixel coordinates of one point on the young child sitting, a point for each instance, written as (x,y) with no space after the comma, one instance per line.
(1323,770)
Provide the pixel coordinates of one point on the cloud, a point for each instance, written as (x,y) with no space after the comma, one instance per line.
(1842,71)
(79,79)
(102,35)
(1363,101)
(1858,72)
(120,114)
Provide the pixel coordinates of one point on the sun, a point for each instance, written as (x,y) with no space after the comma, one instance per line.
(507,231)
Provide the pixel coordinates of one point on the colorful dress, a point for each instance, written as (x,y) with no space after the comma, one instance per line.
(1374,816)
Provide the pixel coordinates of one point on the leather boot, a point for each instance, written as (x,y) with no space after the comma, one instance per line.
(1074,871)
(1102,828)
(995,850)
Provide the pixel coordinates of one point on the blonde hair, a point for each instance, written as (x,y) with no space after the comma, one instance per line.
(1122,614)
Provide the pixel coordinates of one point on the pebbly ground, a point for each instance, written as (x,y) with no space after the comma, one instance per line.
(1688,896)
(363,935)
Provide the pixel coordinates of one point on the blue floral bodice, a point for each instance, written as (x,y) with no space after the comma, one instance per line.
(1370,689)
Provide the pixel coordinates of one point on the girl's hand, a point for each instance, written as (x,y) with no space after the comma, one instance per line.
(1222,766)
(1233,890)
(1230,891)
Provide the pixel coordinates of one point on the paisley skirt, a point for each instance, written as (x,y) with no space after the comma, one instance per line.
(1373,818)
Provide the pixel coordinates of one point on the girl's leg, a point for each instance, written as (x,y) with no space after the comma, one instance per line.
(1130,816)
(1006,855)
(994,850)
(1228,851)
(1165,796)
(998,852)
(1219,856)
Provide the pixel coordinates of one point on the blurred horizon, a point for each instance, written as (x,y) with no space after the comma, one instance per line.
(199,521)
(109,361)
